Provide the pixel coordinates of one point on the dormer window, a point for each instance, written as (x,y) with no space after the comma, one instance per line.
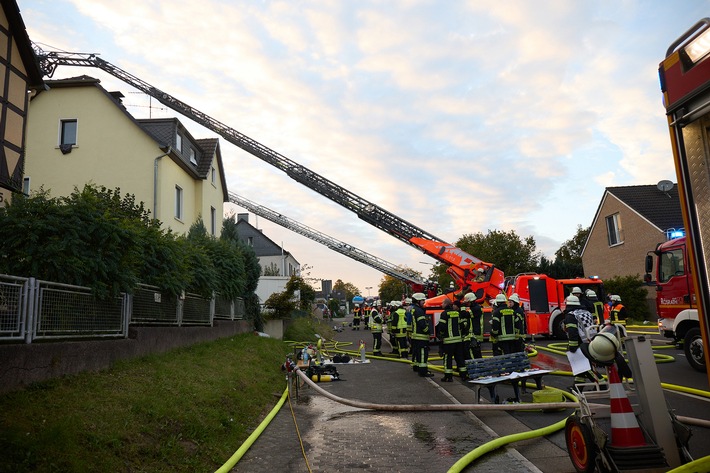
(193,156)
(178,142)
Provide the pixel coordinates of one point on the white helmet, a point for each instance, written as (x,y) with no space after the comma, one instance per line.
(418,296)
(604,346)
(615,298)
(500,298)
(572,300)
(469,297)
(408,300)
(590,293)
(576,290)
(514,297)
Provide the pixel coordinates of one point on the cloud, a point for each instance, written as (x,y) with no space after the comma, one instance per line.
(458,117)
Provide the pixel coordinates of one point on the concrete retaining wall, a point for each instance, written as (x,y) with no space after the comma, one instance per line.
(21,364)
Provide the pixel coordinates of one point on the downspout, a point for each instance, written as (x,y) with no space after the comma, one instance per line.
(167,150)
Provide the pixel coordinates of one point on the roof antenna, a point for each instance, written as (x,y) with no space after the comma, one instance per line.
(664,186)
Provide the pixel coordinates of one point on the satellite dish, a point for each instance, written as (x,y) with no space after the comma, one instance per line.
(664,185)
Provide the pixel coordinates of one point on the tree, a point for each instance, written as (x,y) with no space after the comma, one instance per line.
(348,289)
(510,253)
(392,289)
(568,258)
(308,294)
(93,237)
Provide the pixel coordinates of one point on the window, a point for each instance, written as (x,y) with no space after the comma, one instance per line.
(214,176)
(213,221)
(613,229)
(67,132)
(26,186)
(193,156)
(250,241)
(178,202)
(671,263)
(178,142)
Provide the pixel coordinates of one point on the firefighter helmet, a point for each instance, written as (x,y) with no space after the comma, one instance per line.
(590,294)
(572,300)
(515,298)
(604,345)
(616,298)
(469,297)
(576,290)
(500,298)
(418,296)
(408,300)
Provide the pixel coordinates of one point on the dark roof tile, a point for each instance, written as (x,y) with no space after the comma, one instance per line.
(660,208)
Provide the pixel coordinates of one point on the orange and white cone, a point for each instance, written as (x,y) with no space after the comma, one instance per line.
(625,429)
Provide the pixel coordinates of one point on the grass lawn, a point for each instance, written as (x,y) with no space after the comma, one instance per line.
(187,410)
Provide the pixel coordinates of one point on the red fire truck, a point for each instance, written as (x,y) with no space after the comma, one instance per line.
(685,82)
(676,303)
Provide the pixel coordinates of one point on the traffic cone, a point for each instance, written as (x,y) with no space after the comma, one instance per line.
(625,429)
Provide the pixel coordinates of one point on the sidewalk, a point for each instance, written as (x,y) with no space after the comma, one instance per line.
(339,438)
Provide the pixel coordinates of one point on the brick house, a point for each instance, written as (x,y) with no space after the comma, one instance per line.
(630,222)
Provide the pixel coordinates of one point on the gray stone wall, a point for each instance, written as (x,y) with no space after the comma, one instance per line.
(22,364)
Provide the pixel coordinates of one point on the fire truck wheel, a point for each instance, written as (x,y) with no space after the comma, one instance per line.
(580,444)
(693,347)
(558,327)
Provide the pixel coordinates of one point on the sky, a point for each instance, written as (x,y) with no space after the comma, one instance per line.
(457,116)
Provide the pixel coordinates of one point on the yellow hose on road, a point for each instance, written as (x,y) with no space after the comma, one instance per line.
(478,452)
(254,435)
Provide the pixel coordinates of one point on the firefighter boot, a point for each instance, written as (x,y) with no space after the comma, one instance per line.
(448,378)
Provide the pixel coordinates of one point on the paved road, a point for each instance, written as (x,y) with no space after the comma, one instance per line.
(339,438)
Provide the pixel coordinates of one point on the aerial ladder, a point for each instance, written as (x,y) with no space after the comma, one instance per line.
(460,264)
(350,251)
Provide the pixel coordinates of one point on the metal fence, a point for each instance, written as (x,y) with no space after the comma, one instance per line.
(229,309)
(31,309)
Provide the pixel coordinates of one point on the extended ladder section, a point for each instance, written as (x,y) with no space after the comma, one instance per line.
(330,242)
(458,261)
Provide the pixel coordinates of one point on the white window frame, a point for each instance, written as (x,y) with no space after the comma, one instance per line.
(178,142)
(613,230)
(179,200)
(62,123)
(193,156)
(214,176)
(26,185)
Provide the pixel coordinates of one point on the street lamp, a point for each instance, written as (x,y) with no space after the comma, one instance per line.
(368,290)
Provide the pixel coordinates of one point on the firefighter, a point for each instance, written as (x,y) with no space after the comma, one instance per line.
(420,336)
(580,328)
(408,315)
(474,326)
(618,311)
(598,306)
(514,301)
(449,332)
(503,326)
(401,331)
(366,315)
(392,327)
(583,301)
(357,312)
(376,327)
